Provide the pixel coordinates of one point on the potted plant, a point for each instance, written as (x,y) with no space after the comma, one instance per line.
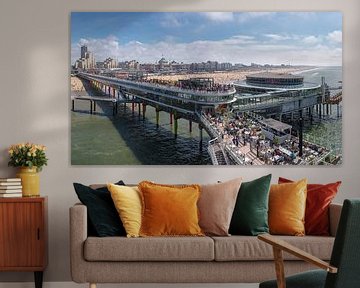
(30,158)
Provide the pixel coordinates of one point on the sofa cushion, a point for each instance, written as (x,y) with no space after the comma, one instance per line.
(244,248)
(216,205)
(169,210)
(318,199)
(287,204)
(149,249)
(127,201)
(250,215)
(102,215)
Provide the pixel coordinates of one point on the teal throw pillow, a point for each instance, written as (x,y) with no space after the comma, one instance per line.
(103,219)
(250,216)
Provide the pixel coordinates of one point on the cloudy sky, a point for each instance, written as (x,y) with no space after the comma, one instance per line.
(310,38)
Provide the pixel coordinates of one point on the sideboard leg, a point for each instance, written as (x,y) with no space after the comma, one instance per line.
(92,285)
(38,279)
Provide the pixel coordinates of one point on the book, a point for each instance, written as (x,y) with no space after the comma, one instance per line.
(10,191)
(2,195)
(10,188)
(10,180)
(10,183)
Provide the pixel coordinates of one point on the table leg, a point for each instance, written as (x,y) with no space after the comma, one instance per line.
(38,279)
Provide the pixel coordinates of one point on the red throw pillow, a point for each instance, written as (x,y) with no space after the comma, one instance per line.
(319,197)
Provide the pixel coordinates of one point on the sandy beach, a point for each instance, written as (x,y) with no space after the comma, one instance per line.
(76,84)
(226,77)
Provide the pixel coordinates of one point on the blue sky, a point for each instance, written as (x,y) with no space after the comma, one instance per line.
(262,37)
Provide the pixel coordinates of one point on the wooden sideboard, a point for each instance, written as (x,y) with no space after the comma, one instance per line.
(23,235)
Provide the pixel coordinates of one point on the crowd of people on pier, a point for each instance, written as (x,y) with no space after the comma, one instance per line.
(243,135)
(214,87)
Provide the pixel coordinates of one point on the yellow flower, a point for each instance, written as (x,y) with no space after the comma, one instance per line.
(28,154)
(11,151)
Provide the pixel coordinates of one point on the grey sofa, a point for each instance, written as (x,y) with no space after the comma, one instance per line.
(234,259)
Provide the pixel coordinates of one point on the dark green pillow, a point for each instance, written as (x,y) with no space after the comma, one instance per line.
(250,216)
(103,218)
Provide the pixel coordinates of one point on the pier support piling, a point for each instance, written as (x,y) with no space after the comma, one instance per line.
(171,118)
(144,110)
(190,126)
(133,107)
(73,106)
(176,126)
(337,110)
(91,107)
(157,117)
(201,137)
(94,106)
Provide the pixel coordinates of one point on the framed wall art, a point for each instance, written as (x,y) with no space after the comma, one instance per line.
(210,88)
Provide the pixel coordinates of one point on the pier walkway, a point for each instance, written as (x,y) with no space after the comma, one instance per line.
(233,145)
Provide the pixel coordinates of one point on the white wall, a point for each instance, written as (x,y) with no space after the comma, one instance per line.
(34,89)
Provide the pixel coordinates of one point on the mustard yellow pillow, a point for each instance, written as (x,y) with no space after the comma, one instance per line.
(287,204)
(127,201)
(169,210)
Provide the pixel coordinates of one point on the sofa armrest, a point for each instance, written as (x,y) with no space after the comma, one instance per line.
(78,235)
(334,217)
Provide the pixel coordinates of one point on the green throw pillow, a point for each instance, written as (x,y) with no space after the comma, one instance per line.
(250,216)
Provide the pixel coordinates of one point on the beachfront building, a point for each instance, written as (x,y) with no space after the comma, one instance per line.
(110,63)
(86,60)
(275,79)
(275,131)
(276,94)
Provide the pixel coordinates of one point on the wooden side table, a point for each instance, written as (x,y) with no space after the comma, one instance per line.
(23,235)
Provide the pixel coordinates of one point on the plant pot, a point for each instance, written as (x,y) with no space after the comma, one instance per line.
(30,181)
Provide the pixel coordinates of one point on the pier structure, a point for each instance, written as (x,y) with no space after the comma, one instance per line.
(276,95)
(178,102)
(261,97)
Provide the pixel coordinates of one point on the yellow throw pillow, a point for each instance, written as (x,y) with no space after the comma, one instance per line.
(287,204)
(127,201)
(169,210)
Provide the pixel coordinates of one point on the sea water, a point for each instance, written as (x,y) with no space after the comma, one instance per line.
(128,139)
(326,131)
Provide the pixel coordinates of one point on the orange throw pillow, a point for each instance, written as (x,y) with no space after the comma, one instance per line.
(287,204)
(169,210)
(319,197)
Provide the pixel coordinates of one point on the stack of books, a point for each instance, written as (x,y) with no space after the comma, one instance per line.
(10,187)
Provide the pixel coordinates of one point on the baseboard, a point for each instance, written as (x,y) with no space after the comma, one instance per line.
(74,285)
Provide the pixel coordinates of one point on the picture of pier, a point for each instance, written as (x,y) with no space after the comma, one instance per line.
(217,88)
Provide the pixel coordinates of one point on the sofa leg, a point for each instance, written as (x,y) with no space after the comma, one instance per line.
(92,285)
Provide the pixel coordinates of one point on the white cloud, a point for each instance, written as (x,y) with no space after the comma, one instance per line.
(236,49)
(277,37)
(311,40)
(219,16)
(335,36)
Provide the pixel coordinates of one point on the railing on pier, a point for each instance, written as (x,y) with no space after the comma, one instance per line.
(217,154)
(202,97)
